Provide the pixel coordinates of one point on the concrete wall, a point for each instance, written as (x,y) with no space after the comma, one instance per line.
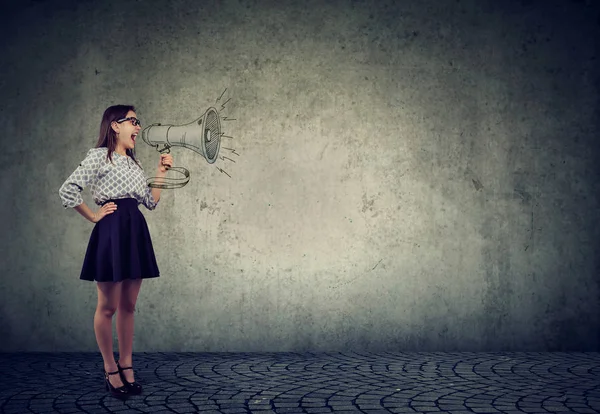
(411,175)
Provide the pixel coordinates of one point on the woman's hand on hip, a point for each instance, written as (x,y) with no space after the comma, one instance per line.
(107,208)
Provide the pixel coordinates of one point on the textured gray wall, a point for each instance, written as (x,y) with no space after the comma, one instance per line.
(417,175)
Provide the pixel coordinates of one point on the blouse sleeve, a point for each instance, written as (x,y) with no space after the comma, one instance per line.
(148,200)
(86,172)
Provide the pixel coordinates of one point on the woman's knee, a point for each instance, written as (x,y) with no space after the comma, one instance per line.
(106,310)
(126,306)
(129,294)
(109,295)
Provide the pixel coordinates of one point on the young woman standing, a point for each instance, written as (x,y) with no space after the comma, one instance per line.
(120,253)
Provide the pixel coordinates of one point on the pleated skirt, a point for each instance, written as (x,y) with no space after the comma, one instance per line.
(120,246)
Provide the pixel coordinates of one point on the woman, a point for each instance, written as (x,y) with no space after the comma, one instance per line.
(120,253)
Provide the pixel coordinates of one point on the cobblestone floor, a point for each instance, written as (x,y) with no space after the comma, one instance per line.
(308,383)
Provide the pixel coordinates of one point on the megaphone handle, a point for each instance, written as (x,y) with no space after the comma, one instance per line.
(166,150)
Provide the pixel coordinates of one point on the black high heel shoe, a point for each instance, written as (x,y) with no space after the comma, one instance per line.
(120,392)
(132,387)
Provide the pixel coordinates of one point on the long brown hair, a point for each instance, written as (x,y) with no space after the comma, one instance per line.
(108,137)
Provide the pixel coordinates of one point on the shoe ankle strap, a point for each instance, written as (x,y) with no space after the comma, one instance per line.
(123,368)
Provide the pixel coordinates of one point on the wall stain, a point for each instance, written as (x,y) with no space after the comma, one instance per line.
(523,195)
(477,184)
(354,278)
(367,204)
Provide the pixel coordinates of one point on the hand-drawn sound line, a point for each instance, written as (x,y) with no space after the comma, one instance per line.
(203,135)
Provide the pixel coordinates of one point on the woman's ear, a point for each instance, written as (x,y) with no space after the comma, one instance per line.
(115,126)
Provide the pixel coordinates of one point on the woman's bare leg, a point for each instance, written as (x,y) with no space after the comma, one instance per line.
(109,295)
(125,312)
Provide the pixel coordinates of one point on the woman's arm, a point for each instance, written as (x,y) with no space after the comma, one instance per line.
(85,211)
(156,190)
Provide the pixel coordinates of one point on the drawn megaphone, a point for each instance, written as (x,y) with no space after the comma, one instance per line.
(202,135)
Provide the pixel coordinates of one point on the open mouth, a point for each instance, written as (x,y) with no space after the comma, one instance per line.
(133,137)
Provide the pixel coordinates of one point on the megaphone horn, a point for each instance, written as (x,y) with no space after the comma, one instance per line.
(202,135)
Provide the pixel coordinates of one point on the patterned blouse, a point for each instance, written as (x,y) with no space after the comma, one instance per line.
(122,178)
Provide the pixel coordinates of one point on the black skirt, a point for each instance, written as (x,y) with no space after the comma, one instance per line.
(120,247)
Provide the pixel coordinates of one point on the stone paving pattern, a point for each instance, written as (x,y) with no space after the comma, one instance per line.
(342,382)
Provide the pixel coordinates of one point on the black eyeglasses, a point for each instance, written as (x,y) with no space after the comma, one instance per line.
(134,120)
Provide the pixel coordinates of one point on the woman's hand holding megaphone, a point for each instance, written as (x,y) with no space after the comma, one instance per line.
(166,162)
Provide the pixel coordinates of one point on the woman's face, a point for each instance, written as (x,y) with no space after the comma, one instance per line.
(127,131)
